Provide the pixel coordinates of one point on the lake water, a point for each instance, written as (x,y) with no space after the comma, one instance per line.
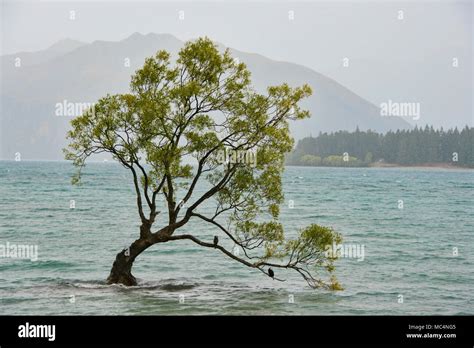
(422,254)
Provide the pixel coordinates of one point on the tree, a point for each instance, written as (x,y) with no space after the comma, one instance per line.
(204,108)
(368,157)
(310,160)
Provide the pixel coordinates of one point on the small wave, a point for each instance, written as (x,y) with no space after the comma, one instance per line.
(46,264)
(39,264)
(14,300)
(177,287)
(463,185)
(158,285)
(90,285)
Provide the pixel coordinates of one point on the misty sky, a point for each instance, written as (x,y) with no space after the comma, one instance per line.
(407,60)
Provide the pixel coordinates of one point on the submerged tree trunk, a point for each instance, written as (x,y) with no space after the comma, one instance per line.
(121,272)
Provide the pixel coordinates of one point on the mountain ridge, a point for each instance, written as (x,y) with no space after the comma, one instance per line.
(91,70)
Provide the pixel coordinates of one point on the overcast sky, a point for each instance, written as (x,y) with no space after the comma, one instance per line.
(407,59)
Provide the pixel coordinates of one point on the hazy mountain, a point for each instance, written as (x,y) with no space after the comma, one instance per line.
(32,58)
(74,72)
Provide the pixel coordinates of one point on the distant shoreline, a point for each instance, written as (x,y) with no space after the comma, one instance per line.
(447,166)
(423,165)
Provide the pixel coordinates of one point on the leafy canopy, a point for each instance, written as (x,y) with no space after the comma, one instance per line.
(199,108)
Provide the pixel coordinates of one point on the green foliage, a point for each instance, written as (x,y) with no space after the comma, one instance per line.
(309,248)
(310,160)
(341,161)
(196,109)
(368,157)
(405,147)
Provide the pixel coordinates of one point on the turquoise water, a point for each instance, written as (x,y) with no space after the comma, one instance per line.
(408,251)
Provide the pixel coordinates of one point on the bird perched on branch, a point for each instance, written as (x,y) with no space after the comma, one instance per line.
(271,273)
(216,240)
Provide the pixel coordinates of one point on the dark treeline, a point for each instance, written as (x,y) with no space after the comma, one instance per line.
(405,147)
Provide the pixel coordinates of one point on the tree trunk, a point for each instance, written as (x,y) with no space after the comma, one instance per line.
(121,272)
